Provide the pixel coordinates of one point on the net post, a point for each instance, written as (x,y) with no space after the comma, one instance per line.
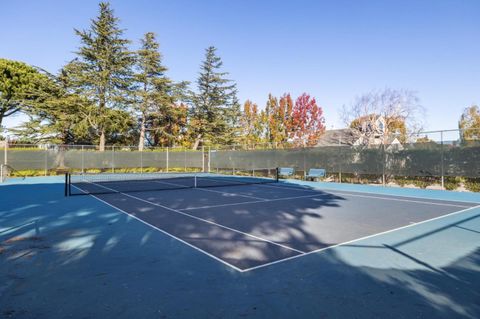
(66,184)
(277,174)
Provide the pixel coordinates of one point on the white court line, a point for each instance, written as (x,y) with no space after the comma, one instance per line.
(403,200)
(338,192)
(162,231)
(321,195)
(256,201)
(288,258)
(388,196)
(358,239)
(203,220)
(321,188)
(233,194)
(209,190)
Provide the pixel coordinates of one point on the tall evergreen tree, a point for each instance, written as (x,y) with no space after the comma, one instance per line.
(155,97)
(233,117)
(102,71)
(56,114)
(152,86)
(18,87)
(215,108)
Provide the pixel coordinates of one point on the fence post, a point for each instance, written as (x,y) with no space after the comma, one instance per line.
(340,160)
(209,155)
(185,158)
(384,163)
(304,151)
(442,159)
(46,161)
(141,160)
(5,156)
(167,165)
(113,159)
(203,158)
(83,159)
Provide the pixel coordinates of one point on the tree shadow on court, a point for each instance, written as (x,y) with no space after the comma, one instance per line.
(80,258)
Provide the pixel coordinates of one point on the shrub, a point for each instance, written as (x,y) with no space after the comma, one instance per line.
(452,183)
(472,184)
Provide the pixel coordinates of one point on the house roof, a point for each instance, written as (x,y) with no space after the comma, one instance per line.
(349,136)
(346,136)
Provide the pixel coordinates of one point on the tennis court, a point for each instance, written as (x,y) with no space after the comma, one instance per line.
(206,245)
(252,222)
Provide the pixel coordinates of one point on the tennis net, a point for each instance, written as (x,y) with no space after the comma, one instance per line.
(106,183)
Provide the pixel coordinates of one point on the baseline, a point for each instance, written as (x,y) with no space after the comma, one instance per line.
(387,196)
(300,187)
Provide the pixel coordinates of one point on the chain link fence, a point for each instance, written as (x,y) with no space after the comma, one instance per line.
(439,156)
(434,157)
(53,159)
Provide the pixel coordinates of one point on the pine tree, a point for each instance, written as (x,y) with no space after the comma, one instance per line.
(18,87)
(232,115)
(153,93)
(56,114)
(215,107)
(102,71)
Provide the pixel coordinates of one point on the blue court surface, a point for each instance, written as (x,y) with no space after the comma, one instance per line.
(282,250)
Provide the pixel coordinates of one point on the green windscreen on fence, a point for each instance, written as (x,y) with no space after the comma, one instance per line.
(415,159)
(428,159)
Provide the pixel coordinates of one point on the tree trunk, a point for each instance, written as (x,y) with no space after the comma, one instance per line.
(197,141)
(102,100)
(141,141)
(101,145)
(60,158)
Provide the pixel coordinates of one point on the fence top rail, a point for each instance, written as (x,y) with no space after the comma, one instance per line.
(439,137)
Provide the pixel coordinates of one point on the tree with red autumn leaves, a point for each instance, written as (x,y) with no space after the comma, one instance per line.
(283,121)
(253,124)
(300,123)
(278,116)
(306,123)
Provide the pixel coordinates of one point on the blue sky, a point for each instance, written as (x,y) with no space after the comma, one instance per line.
(334,50)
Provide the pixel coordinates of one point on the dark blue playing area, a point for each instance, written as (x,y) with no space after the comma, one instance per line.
(252,226)
(284,250)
